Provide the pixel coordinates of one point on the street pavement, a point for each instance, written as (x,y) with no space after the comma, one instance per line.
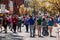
(26,36)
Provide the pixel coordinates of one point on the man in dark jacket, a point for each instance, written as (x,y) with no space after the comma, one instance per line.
(5,22)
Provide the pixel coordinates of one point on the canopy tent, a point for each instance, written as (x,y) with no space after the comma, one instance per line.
(6,11)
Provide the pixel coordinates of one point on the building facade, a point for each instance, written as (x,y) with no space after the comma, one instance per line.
(16,4)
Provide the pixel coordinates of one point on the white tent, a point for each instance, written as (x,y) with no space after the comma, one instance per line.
(6,11)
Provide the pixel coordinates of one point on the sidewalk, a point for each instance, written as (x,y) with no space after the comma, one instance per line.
(26,36)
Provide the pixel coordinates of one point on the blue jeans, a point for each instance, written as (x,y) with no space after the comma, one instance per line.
(32,30)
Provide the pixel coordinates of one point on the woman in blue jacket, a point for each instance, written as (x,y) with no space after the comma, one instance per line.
(50,24)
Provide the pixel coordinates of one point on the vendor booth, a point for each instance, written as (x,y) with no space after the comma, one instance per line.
(5,12)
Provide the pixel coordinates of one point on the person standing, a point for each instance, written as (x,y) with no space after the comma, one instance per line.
(45,28)
(26,23)
(57,21)
(5,22)
(9,22)
(39,23)
(32,27)
(50,24)
(14,22)
(19,23)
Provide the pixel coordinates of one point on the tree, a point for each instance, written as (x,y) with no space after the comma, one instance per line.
(51,6)
(21,10)
(37,5)
(54,5)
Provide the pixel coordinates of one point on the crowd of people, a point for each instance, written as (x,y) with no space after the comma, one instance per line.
(32,21)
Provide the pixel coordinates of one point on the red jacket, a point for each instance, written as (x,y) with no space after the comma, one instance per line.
(14,20)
